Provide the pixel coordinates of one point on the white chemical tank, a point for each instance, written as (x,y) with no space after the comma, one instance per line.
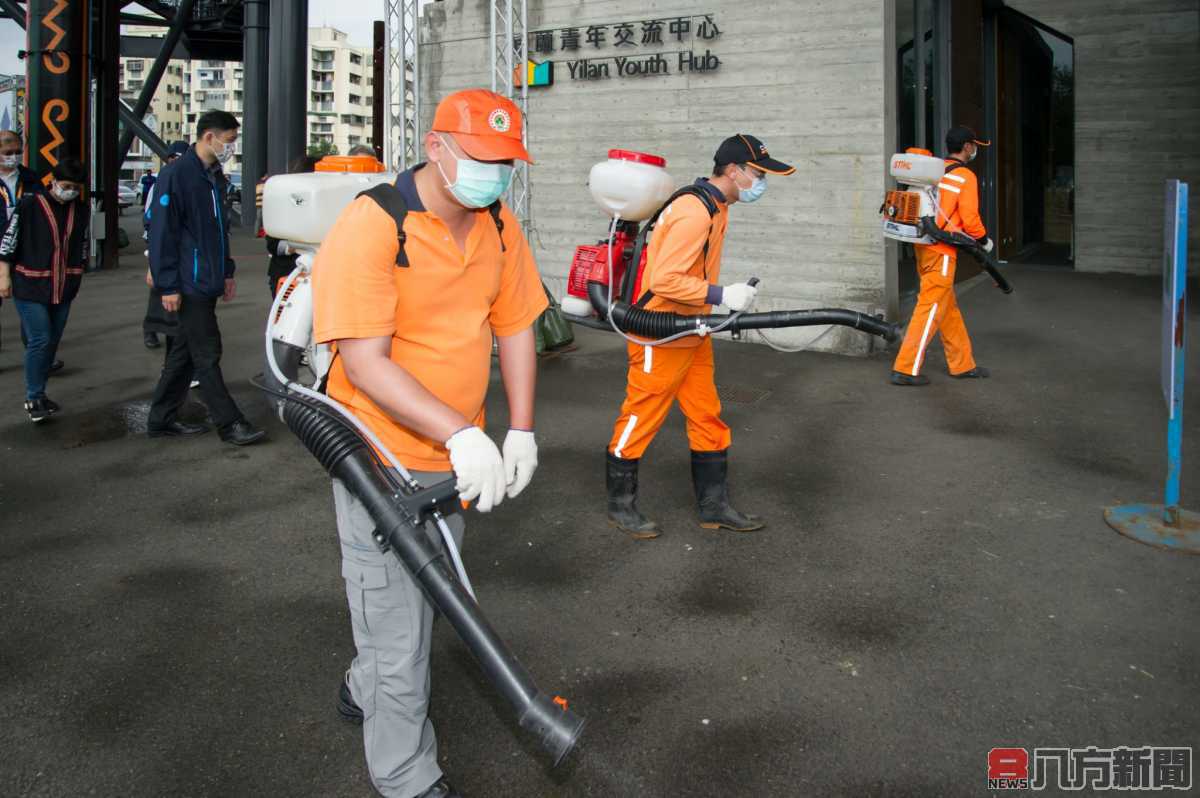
(632,185)
(914,169)
(301,208)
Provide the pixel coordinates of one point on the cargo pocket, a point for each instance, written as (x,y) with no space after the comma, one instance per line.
(379,605)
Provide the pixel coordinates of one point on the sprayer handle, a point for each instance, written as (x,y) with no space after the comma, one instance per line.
(753,281)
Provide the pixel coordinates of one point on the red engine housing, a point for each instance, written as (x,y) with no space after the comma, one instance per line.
(591,261)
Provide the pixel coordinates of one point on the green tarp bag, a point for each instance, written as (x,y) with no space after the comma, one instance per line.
(551,330)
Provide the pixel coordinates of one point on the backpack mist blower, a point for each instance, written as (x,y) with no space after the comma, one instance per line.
(301,209)
(605,280)
(910,214)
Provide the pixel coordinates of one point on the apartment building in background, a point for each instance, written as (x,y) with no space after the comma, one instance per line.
(167,113)
(339,100)
(340,91)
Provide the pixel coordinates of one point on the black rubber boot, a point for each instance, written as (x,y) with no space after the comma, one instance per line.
(709,474)
(621,477)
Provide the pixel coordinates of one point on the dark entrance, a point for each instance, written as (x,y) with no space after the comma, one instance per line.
(1033,133)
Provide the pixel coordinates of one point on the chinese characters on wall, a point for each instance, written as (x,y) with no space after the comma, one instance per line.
(598,52)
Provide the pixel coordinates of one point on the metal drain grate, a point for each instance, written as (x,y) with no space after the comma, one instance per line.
(742,394)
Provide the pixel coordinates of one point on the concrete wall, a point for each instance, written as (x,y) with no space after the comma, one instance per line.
(1137,112)
(807,76)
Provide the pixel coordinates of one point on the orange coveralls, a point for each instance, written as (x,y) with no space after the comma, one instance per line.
(937,308)
(679,274)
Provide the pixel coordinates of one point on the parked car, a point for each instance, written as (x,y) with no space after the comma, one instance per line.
(235,188)
(126,196)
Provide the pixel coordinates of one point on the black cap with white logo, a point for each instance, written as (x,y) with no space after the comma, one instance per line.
(744,148)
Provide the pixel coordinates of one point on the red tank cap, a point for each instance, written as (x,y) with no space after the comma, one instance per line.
(637,157)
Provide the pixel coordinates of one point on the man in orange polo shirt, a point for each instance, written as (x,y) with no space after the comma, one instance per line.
(937,307)
(682,275)
(413,353)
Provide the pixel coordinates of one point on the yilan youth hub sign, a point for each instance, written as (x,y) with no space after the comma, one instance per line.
(619,50)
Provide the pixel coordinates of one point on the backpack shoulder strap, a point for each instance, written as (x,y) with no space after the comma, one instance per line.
(494,210)
(692,190)
(392,202)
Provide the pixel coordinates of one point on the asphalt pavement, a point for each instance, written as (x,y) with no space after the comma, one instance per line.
(936,578)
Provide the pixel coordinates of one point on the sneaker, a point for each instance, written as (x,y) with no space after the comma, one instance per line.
(977,373)
(56,366)
(194,384)
(52,406)
(37,410)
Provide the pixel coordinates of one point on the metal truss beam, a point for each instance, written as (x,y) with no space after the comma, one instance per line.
(402,107)
(509,49)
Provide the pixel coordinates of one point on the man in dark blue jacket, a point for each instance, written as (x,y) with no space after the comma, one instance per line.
(192,269)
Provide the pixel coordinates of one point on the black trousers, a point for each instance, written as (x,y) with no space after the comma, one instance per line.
(195,354)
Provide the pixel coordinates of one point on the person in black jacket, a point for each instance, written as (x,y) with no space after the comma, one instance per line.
(283,257)
(157,319)
(192,269)
(42,256)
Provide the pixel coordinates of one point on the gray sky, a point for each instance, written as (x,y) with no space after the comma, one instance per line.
(352,16)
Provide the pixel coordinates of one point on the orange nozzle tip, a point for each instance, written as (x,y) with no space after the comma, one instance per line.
(560,701)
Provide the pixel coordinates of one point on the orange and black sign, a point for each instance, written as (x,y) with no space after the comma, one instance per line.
(56,111)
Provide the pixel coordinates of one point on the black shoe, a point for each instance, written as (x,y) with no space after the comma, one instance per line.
(151,340)
(441,789)
(977,373)
(242,433)
(37,410)
(905,379)
(176,429)
(51,406)
(709,474)
(621,477)
(56,366)
(346,705)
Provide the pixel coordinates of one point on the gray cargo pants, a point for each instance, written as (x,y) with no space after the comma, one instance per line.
(389,677)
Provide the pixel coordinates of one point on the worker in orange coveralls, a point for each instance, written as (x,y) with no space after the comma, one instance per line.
(937,308)
(682,275)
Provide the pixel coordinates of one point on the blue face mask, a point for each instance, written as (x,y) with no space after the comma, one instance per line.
(478,184)
(757,188)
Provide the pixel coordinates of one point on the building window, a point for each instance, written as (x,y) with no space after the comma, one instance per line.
(355,59)
(355,80)
(355,99)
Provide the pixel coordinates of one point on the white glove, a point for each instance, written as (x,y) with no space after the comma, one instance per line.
(478,466)
(989,246)
(738,296)
(520,460)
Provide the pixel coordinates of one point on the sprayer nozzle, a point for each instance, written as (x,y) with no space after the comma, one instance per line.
(557,728)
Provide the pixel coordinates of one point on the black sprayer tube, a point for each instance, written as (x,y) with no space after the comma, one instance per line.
(964,241)
(399,526)
(655,324)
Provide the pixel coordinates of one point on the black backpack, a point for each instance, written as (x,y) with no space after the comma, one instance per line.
(639,246)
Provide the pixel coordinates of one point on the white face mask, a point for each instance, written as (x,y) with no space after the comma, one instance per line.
(223,151)
(9,161)
(65,194)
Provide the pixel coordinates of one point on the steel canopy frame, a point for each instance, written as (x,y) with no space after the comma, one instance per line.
(401,77)
(509,49)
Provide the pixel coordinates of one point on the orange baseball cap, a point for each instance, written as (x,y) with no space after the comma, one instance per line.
(487,125)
